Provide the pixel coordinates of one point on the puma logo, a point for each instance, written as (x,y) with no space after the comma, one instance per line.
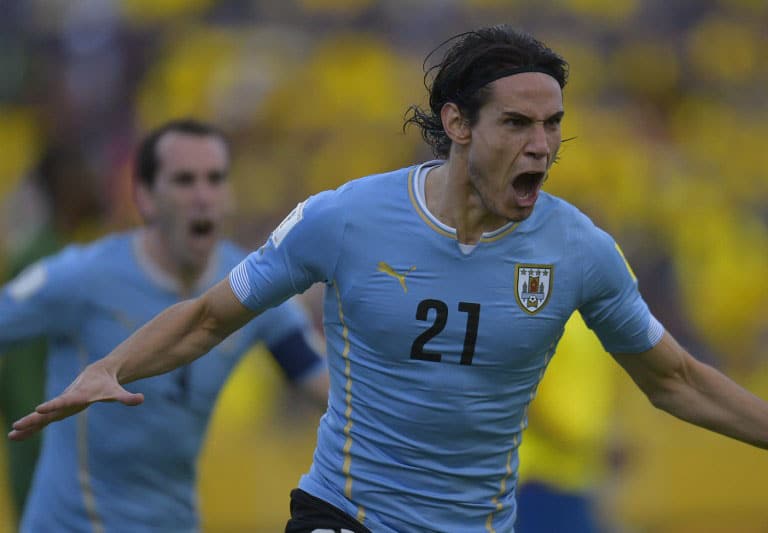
(389,271)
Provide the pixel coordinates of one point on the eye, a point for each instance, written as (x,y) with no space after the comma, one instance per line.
(517,122)
(216,177)
(183,178)
(553,122)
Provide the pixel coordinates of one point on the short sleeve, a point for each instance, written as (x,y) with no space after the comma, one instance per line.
(44,299)
(611,302)
(301,251)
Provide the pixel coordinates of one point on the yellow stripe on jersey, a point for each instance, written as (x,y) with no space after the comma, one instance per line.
(411,184)
(347,466)
(84,473)
(425,217)
(629,267)
(504,233)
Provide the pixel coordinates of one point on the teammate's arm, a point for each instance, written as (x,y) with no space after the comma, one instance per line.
(177,336)
(677,383)
(27,300)
(316,387)
(298,352)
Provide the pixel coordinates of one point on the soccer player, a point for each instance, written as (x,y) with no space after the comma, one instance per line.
(104,471)
(448,286)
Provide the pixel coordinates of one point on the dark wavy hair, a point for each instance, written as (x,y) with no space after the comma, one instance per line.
(473,61)
(146,163)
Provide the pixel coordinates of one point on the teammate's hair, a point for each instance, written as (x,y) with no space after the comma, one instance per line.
(474,60)
(147,163)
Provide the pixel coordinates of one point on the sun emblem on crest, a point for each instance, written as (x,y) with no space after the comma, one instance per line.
(534,285)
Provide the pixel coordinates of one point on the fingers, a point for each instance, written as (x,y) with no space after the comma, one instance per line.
(51,406)
(30,424)
(130,398)
(17,435)
(120,395)
(62,407)
(69,401)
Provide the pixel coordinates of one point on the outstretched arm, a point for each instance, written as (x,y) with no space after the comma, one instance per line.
(177,336)
(676,382)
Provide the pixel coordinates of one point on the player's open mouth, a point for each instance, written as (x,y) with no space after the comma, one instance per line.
(527,186)
(201,227)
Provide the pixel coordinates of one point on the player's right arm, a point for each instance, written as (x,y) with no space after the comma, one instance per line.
(177,336)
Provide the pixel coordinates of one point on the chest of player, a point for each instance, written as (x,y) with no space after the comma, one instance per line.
(502,305)
(110,321)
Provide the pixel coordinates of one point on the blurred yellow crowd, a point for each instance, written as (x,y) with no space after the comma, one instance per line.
(666,116)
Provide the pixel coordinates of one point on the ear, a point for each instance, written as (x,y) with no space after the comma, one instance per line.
(455,125)
(145,201)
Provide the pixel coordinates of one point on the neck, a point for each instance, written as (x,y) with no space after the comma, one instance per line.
(452,198)
(158,249)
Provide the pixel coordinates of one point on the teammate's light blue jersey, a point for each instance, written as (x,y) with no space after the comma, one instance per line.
(435,351)
(112,468)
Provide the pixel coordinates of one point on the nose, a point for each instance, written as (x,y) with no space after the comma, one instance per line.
(537,146)
(204,192)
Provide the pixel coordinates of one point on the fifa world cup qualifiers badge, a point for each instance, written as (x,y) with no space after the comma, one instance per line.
(28,282)
(293,218)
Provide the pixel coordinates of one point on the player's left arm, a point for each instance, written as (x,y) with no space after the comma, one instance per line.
(676,382)
(672,379)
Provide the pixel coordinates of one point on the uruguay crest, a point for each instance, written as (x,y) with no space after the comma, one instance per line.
(534,285)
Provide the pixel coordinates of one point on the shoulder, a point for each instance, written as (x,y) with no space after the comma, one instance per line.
(387,181)
(569,219)
(67,271)
(96,256)
(551,207)
(327,213)
(380,180)
(557,219)
(357,199)
(374,188)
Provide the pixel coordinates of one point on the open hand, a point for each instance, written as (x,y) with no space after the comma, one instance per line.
(94,384)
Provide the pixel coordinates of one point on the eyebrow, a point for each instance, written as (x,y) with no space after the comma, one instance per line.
(208,172)
(182,173)
(516,114)
(218,173)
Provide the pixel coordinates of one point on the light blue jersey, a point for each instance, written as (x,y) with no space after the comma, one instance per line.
(112,468)
(435,350)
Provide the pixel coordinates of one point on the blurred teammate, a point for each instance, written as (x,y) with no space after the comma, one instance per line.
(448,286)
(102,471)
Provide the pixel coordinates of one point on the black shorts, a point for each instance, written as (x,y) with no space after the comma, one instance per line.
(309,513)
